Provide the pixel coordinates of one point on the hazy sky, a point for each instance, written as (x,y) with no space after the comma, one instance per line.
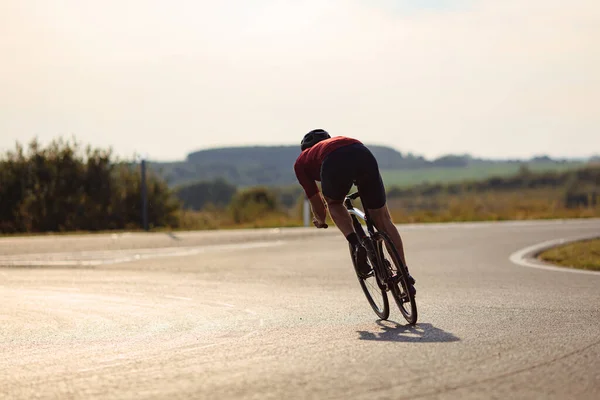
(489,77)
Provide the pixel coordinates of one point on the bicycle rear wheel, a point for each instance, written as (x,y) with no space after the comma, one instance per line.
(376,296)
(398,278)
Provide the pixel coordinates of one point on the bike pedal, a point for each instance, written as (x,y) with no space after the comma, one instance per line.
(366,276)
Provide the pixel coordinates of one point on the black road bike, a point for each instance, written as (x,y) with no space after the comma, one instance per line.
(389,272)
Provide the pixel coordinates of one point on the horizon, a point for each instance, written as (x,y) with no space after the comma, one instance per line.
(149,158)
(404,153)
(495,80)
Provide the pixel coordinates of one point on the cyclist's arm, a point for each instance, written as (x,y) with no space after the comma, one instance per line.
(318,207)
(312,192)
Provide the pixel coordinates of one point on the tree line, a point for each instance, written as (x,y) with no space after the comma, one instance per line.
(65,187)
(271,165)
(580,187)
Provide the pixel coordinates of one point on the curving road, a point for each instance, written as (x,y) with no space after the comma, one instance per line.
(279,314)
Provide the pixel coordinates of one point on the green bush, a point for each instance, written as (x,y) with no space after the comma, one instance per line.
(252,204)
(64,188)
(201,194)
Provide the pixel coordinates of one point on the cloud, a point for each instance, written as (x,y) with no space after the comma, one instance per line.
(488,77)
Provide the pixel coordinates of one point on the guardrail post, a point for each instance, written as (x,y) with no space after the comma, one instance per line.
(144,197)
(306,212)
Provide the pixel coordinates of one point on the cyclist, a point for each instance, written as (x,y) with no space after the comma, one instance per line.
(338,163)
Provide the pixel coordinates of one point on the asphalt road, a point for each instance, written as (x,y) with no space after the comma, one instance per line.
(279,314)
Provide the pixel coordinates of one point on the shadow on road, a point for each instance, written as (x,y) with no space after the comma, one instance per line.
(391,331)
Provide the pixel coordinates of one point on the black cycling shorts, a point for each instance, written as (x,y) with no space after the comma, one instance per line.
(353,164)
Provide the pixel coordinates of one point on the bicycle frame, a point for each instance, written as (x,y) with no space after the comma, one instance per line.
(385,278)
(359,213)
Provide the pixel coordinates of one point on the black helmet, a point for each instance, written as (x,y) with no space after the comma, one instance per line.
(313,137)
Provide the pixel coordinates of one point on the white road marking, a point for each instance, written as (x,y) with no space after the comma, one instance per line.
(524,257)
(224,304)
(113,359)
(178,297)
(247,335)
(96,258)
(206,346)
(68,289)
(499,224)
(100,367)
(277,231)
(126,293)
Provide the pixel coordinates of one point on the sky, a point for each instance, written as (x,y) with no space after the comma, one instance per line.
(162,78)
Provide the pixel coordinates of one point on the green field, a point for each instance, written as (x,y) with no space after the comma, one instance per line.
(410,177)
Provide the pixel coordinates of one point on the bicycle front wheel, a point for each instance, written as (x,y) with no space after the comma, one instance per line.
(397,278)
(376,296)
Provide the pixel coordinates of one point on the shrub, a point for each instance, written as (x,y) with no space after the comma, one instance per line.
(63,188)
(252,204)
(199,195)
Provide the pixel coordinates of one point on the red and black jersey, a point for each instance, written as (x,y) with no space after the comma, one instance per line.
(308,164)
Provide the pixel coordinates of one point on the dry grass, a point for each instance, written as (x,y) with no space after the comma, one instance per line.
(584,255)
(525,205)
(220,219)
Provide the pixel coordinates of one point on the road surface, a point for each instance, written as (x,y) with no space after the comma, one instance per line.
(279,314)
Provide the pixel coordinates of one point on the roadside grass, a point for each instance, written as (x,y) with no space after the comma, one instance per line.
(531,204)
(197,221)
(534,205)
(583,255)
(492,206)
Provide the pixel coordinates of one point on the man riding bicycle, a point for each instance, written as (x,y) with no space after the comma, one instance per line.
(338,163)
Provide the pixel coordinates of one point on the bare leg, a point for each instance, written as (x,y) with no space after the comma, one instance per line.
(340,216)
(343,221)
(383,220)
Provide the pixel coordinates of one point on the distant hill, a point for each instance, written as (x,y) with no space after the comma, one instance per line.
(273,166)
(260,165)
